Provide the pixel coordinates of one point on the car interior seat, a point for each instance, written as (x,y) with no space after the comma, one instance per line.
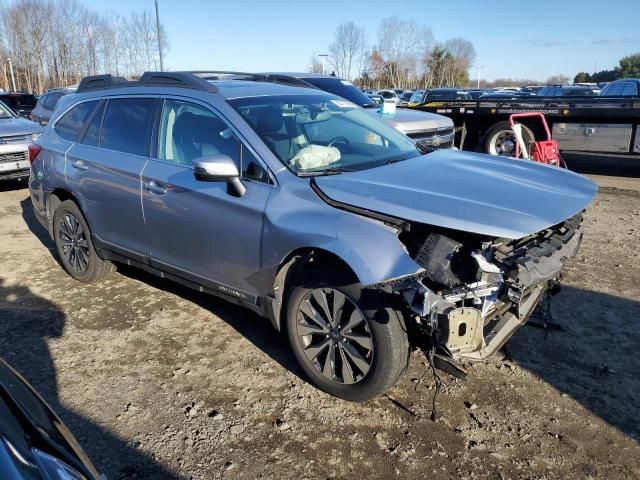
(199,135)
(271,127)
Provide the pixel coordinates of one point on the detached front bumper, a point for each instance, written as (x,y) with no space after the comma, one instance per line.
(473,321)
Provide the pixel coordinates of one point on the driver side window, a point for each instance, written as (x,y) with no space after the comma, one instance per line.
(188,131)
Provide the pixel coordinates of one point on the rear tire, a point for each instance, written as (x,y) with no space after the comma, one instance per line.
(75,249)
(357,355)
(500,140)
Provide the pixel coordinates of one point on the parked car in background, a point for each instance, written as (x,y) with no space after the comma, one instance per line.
(429,131)
(47,104)
(16,134)
(629,87)
(443,94)
(476,93)
(34,442)
(297,204)
(532,88)
(389,96)
(505,94)
(405,97)
(416,97)
(566,91)
(20,103)
(376,98)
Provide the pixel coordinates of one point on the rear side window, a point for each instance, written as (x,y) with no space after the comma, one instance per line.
(52,100)
(92,135)
(42,101)
(127,124)
(630,90)
(612,90)
(71,124)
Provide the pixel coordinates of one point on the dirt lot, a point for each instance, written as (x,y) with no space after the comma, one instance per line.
(157,381)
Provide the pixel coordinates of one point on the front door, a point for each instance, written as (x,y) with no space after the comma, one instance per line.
(197,229)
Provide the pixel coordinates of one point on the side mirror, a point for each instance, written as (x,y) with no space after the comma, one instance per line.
(219,168)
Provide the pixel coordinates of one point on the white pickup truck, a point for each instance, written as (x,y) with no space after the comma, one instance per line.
(16,134)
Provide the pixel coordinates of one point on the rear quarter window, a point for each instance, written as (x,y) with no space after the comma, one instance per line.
(630,90)
(72,122)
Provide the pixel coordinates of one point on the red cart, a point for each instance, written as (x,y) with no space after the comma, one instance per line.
(543,151)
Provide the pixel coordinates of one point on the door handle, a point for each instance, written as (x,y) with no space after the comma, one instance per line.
(79,164)
(153,187)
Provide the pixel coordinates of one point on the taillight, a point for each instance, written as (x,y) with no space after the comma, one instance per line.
(34,150)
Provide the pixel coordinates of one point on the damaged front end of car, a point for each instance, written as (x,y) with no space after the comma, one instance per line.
(476,291)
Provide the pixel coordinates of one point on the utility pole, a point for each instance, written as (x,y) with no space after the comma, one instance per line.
(159,38)
(479,67)
(324,56)
(13,79)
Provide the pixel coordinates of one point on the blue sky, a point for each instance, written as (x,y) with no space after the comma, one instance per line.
(518,39)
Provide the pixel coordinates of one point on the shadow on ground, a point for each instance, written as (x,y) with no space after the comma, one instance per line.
(256,329)
(594,360)
(9,185)
(27,322)
(599,164)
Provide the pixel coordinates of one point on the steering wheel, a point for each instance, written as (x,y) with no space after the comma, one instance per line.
(338,139)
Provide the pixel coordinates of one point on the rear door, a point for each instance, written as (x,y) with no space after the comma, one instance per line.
(104,167)
(197,229)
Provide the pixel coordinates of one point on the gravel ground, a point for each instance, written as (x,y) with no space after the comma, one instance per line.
(157,381)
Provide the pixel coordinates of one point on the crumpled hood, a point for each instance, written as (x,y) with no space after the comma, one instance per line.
(472,192)
(18,126)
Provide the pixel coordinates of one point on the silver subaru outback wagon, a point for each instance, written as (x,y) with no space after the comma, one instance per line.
(295,203)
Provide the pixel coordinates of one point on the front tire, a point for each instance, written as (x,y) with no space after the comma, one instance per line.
(75,249)
(347,343)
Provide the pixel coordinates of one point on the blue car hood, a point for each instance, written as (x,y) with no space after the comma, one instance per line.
(488,195)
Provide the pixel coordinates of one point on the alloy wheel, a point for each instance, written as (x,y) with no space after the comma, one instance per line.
(335,336)
(73,240)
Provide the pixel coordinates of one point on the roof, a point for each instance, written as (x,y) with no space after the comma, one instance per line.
(151,82)
(303,75)
(244,88)
(447,89)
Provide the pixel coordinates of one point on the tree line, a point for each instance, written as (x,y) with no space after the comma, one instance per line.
(405,54)
(628,67)
(54,43)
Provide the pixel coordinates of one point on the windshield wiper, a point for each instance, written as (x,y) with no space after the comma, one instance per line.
(325,171)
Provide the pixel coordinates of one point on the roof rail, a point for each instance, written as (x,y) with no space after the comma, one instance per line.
(167,79)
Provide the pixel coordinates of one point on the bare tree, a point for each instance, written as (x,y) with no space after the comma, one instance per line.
(315,65)
(57,42)
(557,80)
(347,49)
(398,42)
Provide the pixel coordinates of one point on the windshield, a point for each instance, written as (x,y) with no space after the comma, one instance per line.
(416,97)
(342,88)
(4,111)
(318,134)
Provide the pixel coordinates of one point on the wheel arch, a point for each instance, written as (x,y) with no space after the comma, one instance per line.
(295,264)
(54,199)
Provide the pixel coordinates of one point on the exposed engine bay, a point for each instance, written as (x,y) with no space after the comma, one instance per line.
(475,292)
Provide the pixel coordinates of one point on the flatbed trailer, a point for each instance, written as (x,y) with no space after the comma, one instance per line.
(608,125)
